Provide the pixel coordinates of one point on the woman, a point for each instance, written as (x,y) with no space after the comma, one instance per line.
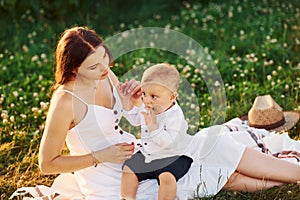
(84,113)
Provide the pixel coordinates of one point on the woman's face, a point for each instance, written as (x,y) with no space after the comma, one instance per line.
(95,66)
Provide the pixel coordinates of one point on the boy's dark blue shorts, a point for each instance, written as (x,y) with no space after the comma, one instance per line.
(176,165)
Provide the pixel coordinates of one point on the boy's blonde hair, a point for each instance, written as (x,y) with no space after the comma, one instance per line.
(162,74)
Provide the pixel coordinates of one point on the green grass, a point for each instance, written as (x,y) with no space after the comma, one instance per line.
(254,44)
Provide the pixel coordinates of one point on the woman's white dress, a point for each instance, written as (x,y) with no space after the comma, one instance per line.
(217,152)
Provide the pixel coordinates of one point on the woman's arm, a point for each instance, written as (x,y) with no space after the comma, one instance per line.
(51,160)
(59,118)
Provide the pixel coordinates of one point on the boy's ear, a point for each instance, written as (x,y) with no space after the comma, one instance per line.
(173,96)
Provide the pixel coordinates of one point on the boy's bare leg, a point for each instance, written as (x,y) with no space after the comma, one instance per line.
(168,186)
(129,184)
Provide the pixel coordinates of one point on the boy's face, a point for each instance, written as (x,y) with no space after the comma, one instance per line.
(157,97)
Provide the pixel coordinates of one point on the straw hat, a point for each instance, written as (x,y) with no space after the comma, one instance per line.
(267,114)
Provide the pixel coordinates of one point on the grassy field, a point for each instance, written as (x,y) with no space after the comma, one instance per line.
(254,44)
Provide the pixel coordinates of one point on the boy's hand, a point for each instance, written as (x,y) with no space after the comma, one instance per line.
(150,119)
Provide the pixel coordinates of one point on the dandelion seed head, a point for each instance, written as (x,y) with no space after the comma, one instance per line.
(239,9)
(151,44)
(12,118)
(142,60)
(286,86)
(15,94)
(273,41)
(43,56)
(4,114)
(23,116)
(5,121)
(273,83)
(217,84)
(34,58)
(25,48)
(157,17)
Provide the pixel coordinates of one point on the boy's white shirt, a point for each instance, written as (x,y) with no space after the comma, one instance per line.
(170,139)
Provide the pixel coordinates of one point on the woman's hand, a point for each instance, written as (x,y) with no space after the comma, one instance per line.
(130,93)
(131,88)
(117,153)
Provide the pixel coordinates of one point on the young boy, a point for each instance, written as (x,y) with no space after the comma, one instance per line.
(163,151)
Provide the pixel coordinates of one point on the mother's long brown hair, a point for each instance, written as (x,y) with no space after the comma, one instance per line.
(74,45)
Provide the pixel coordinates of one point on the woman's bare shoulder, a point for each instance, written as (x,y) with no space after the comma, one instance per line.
(61,100)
